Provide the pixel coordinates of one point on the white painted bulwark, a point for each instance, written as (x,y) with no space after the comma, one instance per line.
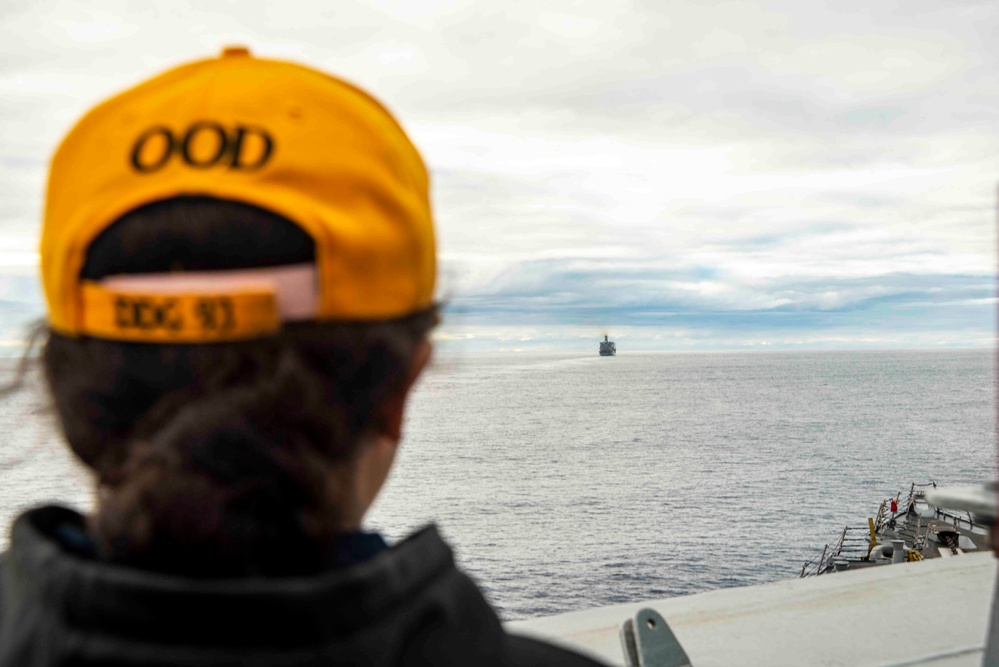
(933,612)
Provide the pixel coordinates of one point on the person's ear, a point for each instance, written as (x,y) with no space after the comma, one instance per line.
(395,408)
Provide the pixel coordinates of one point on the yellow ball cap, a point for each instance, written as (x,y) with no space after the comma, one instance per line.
(298,142)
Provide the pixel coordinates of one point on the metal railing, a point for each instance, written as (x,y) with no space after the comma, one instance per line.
(919,539)
(857,546)
(848,546)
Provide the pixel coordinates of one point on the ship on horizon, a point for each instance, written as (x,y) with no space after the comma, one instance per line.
(607,347)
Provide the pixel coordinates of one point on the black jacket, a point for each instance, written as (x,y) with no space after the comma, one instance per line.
(408,605)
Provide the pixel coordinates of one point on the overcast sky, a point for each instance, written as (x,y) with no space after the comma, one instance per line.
(680,175)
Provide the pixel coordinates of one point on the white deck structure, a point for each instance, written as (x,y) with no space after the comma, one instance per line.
(933,612)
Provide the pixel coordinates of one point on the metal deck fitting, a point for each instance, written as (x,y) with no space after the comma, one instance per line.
(647,641)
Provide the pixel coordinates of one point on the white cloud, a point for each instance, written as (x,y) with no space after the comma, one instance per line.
(796,155)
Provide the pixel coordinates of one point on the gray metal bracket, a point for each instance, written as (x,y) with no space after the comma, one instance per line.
(647,641)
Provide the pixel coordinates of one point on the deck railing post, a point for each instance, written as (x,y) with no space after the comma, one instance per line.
(842,539)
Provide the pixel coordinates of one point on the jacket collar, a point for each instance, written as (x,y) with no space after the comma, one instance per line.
(92,596)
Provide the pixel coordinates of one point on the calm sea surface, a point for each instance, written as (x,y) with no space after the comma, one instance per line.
(566,482)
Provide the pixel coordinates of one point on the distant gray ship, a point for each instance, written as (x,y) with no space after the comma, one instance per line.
(607,348)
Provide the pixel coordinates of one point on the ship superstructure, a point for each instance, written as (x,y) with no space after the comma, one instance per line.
(607,347)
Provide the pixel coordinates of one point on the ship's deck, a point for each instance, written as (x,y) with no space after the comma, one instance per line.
(933,612)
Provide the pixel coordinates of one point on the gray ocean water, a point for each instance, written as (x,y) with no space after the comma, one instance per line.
(573,481)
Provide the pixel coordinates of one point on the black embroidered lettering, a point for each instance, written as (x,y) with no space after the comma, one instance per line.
(216,314)
(160,150)
(210,160)
(203,145)
(147,314)
(244,163)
